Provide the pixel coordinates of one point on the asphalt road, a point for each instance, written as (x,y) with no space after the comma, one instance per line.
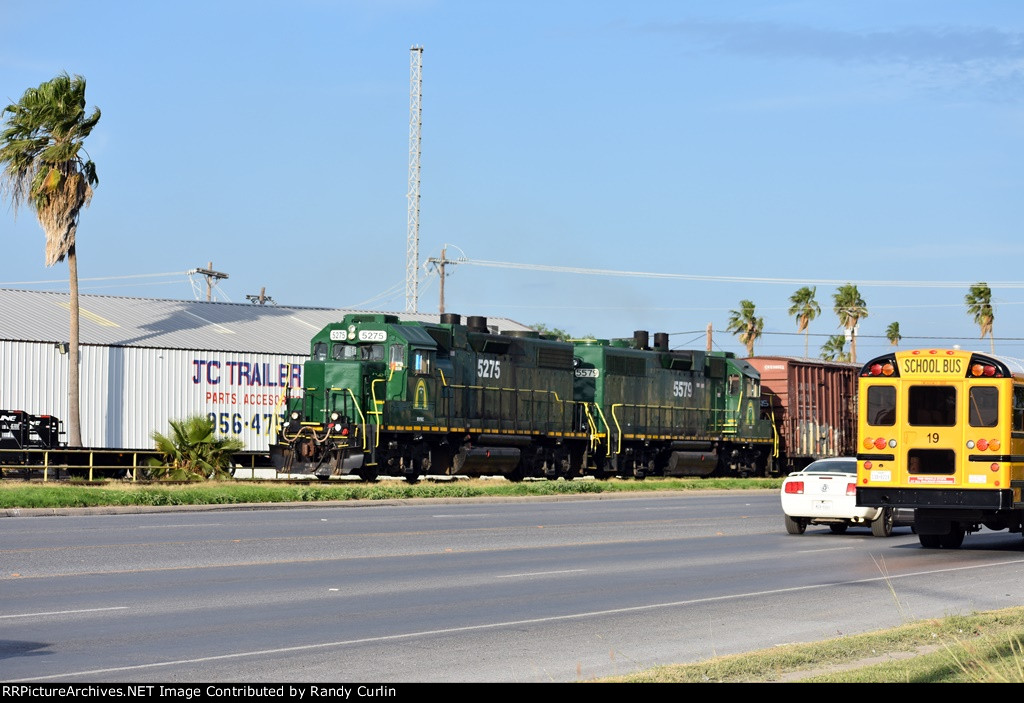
(458,591)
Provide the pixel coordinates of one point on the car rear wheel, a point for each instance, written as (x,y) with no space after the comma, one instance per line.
(838,529)
(795,525)
(882,525)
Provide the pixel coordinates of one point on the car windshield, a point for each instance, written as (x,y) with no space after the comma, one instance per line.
(833,466)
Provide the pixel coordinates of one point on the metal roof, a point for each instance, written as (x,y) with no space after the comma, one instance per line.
(106,320)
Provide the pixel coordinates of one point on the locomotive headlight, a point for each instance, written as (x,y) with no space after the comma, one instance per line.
(335,417)
(295,415)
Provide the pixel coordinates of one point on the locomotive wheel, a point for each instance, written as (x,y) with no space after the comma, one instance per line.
(573,464)
(368,475)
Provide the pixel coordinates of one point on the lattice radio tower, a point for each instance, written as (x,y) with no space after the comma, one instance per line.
(412,247)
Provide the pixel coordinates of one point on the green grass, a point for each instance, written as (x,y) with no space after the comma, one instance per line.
(20,494)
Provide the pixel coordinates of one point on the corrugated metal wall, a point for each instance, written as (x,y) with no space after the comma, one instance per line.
(128,392)
(821,405)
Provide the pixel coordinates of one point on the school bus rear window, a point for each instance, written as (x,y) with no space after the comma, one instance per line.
(984,410)
(1018,408)
(882,405)
(931,406)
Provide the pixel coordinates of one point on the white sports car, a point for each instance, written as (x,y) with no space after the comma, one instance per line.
(825,493)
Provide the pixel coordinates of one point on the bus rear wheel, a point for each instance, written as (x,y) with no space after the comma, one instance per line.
(953,539)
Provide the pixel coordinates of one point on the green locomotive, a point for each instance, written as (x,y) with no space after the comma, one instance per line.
(383,396)
(671,413)
(388,397)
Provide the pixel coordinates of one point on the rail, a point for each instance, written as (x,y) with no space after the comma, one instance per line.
(94,464)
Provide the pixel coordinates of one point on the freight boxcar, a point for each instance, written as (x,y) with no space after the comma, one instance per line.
(812,404)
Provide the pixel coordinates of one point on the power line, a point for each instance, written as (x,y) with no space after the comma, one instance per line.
(99,278)
(732,279)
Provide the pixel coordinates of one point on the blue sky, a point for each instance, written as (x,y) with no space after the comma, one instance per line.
(762,145)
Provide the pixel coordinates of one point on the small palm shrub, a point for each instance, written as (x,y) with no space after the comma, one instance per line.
(191,452)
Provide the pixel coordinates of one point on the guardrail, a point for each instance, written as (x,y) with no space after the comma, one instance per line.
(94,464)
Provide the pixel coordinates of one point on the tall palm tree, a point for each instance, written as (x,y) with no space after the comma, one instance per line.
(851,309)
(979,304)
(746,325)
(892,333)
(46,167)
(804,308)
(834,349)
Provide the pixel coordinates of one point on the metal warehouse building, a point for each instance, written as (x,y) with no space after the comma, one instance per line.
(146,361)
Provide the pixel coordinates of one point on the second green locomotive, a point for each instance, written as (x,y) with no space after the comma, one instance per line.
(388,397)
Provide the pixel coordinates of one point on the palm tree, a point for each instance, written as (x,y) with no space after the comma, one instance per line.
(851,309)
(892,333)
(192,451)
(745,325)
(804,308)
(979,304)
(832,350)
(45,167)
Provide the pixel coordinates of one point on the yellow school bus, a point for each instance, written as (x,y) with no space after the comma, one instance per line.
(942,431)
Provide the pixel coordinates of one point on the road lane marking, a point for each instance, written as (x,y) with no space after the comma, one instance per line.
(539,573)
(509,623)
(64,612)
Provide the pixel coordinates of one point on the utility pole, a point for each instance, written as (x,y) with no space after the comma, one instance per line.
(262,298)
(211,277)
(412,245)
(439,264)
(709,336)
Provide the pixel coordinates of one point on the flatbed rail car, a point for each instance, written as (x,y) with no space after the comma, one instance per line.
(812,403)
(941,431)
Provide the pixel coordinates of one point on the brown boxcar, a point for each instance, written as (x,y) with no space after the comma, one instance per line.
(813,405)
